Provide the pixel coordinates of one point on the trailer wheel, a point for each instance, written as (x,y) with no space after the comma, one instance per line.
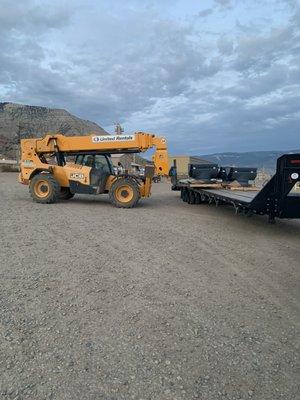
(124,193)
(184,195)
(181,193)
(191,197)
(44,188)
(197,198)
(203,198)
(65,193)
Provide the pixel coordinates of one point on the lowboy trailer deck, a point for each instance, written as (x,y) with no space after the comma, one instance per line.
(277,199)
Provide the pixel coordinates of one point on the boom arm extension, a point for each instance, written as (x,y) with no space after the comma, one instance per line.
(136,143)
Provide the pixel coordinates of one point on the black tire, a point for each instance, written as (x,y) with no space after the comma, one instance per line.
(197,198)
(44,188)
(184,196)
(124,193)
(191,197)
(65,193)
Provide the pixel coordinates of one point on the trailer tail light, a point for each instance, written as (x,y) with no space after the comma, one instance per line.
(295,161)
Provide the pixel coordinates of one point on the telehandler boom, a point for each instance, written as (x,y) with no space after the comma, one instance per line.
(44,166)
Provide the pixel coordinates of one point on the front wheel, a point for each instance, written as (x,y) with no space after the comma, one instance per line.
(44,188)
(124,193)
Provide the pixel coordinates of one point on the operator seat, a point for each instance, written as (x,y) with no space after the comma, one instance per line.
(98,177)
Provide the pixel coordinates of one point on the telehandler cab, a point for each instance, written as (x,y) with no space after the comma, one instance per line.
(91,171)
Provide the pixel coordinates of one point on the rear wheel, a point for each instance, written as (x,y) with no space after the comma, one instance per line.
(65,193)
(44,188)
(185,195)
(191,197)
(197,198)
(124,193)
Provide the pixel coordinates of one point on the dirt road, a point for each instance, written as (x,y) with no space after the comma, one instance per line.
(167,301)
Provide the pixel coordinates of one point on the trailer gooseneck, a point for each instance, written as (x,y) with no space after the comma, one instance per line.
(276,199)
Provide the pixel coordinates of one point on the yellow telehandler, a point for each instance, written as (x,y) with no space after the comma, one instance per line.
(45,168)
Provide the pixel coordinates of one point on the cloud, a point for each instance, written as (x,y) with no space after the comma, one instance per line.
(259,52)
(223,3)
(140,60)
(205,13)
(225,46)
(28,17)
(227,86)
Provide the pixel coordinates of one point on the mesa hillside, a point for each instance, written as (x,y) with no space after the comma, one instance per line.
(18,121)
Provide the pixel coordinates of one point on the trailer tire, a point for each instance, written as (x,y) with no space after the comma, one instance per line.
(184,195)
(197,198)
(124,193)
(191,197)
(44,188)
(66,194)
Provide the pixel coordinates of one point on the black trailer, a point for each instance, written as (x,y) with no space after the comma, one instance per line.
(276,199)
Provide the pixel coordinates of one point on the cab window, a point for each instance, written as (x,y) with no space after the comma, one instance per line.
(96,161)
(79,159)
(101,163)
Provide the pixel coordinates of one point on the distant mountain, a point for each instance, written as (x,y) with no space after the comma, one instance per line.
(18,121)
(260,159)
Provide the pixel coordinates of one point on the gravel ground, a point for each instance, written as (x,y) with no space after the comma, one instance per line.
(167,301)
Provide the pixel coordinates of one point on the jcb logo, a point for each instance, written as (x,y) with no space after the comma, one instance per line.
(76,175)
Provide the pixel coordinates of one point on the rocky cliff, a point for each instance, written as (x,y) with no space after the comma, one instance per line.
(18,121)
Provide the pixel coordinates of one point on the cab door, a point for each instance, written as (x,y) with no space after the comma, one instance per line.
(100,169)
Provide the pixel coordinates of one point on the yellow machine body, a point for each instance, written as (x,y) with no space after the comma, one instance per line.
(37,156)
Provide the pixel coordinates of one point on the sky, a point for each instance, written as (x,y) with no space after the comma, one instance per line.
(210,75)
